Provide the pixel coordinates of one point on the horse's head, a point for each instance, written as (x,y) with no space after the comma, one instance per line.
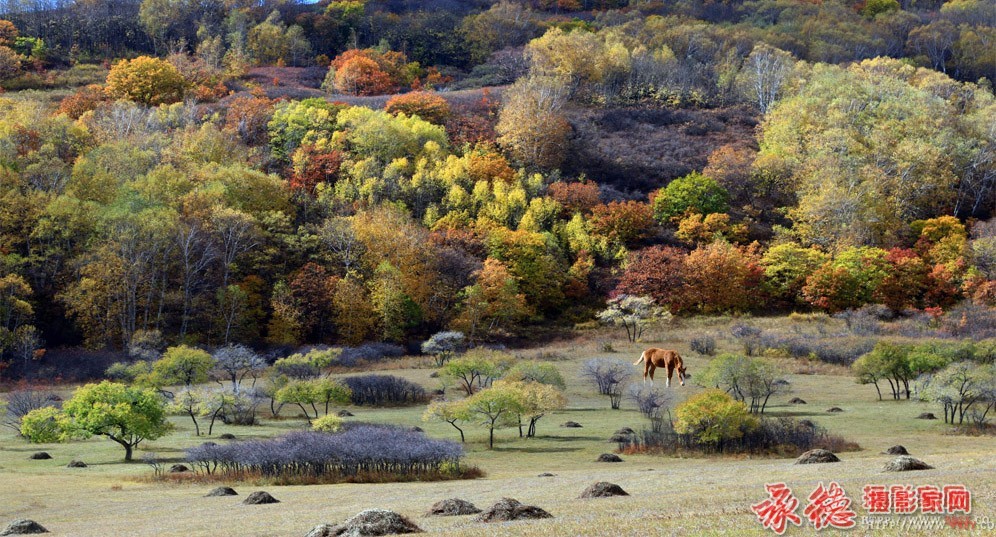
(682,374)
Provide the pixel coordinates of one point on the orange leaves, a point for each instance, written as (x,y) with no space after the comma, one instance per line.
(428,106)
(371,72)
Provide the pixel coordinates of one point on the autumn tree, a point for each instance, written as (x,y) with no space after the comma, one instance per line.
(713,418)
(426,105)
(531,125)
(634,313)
(146,80)
(657,272)
(492,304)
(763,75)
(722,277)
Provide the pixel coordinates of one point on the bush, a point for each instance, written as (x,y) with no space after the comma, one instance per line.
(384,390)
(608,376)
(693,193)
(370,352)
(443,345)
(22,401)
(329,423)
(714,418)
(295,366)
(704,345)
(328,458)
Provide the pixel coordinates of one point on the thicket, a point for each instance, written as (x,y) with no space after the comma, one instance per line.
(384,390)
(358,452)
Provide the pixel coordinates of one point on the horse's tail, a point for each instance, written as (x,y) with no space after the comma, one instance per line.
(643,357)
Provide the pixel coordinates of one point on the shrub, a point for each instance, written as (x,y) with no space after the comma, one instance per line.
(714,418)
(705,345)
(381,390)
(693,193)
(329,458)
(126,372)
(296,366)
(370,352)
(652,403)
(329,423)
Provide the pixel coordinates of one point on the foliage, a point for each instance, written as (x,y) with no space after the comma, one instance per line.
(180,365)
(963,388)
(428,106)
(443,345)
(329,423)
(693,193)
(745,378)
(714,418)
(313,392)
(127,415)
(476,369)
(146,80)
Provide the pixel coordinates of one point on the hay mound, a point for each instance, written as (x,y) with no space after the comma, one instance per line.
(509,509)
(608,457)
(76,464)
(178,469)
(797,401)
(835,409)
(927,416)
(546,474)
(260,497)
(625,430)
(23,527)
(453,507)
(416,429)
(227,436)
(571,425)
(906,463)
(897,450)
(344,414)
(222,491)
(366,523)
(618,438)
(603,489)
(816,456)
(40,456)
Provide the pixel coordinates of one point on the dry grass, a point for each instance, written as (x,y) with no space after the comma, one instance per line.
(668,495)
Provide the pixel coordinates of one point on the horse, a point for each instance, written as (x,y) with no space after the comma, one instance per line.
(654,358)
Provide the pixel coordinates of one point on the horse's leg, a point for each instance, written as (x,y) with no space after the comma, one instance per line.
(670,370)
(652,368)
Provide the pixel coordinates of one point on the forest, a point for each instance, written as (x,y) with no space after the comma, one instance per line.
(281,174)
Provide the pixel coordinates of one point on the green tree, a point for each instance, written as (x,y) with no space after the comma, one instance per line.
(494,408)
(145,80)
(451,412)
(476,369)
(693,193)
(127,415)
(181,365)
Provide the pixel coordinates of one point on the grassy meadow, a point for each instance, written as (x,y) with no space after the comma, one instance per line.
(702,495)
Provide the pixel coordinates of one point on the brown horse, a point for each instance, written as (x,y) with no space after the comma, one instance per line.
(654,358)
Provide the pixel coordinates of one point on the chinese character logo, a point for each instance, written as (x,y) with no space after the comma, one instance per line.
(779,509)
(829,506)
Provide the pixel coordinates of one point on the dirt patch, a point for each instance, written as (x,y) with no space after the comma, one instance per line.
(817,456)
(603,489)
(453,507)
(510,509)
(368,523)
(906,463)
(260,497)
(23,527)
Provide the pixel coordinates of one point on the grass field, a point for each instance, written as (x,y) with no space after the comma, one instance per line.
(668,496)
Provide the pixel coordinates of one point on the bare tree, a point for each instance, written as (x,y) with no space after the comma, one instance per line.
(608,376)
(764,74)
(236,363)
